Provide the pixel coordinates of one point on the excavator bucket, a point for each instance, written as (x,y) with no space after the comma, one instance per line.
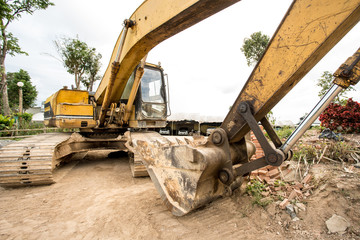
(185,172)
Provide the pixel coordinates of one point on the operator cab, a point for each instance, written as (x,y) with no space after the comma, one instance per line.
(150,102)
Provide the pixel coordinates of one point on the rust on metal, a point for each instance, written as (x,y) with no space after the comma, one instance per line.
(185,172)
(349,72)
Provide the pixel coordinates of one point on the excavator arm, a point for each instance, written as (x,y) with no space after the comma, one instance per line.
(153,22)
(308,31)
(189,175)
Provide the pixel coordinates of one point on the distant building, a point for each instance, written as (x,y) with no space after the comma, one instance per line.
(37,112)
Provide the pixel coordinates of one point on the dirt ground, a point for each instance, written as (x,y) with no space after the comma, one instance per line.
(97,198)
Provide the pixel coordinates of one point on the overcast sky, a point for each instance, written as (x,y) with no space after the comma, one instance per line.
(204,63)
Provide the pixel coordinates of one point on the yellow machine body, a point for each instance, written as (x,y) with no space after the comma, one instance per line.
(143,104)
(69,109)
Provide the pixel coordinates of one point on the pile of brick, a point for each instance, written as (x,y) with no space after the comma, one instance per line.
(259,151)
(275,186)
(297,191)
(274,178)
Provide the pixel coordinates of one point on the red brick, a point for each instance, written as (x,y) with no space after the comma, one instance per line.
(273,173)
(306,179)
(298,193)
(262,172)
(284,203)
(271,167)
(298,186)
(257,144)
(271,182)
(259,179)
(292,195)
(267,179)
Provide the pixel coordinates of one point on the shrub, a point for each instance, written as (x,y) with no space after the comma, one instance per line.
(254,189)
(6,122)
(27,117)
(284,132)
(344,118)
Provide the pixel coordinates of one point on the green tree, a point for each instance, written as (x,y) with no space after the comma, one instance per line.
(254,47)
(325,82)
(29,90)
(11,10)
(78,59)
(92,70)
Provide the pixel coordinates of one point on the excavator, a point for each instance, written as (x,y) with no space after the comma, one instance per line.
(131,102)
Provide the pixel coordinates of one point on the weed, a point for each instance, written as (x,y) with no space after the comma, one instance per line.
(284,132)
(279,183)
(308,151)
(254,189)
(338,151)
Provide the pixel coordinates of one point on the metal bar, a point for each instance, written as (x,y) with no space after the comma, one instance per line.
(250,166)
(23,130)
(272,134)
(311,117)
(134,89)
(123,35)
(114,70)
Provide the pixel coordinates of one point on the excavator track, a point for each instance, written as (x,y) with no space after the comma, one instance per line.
(138,169)
(29,161)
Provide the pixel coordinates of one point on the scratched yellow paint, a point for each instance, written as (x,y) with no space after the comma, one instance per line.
(309,30)
(156,20)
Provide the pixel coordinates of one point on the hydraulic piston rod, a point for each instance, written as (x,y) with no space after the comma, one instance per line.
(311,117)
(347,74)
(114,70)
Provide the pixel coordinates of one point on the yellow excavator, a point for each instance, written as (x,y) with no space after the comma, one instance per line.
(131,100)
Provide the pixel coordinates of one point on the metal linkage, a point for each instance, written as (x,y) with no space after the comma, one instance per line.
(219,139)
(273,156)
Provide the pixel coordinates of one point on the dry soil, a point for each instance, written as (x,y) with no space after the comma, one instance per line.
(97,198)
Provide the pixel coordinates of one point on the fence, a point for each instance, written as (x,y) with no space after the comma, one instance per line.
(15,132)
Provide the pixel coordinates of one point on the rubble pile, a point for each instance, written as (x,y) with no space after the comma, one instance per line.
(276,187)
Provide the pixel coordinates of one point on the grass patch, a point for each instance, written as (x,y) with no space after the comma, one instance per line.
(327,149)
(254,189)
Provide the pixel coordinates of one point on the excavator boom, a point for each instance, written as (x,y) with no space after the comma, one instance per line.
(153,22)
(309,30)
